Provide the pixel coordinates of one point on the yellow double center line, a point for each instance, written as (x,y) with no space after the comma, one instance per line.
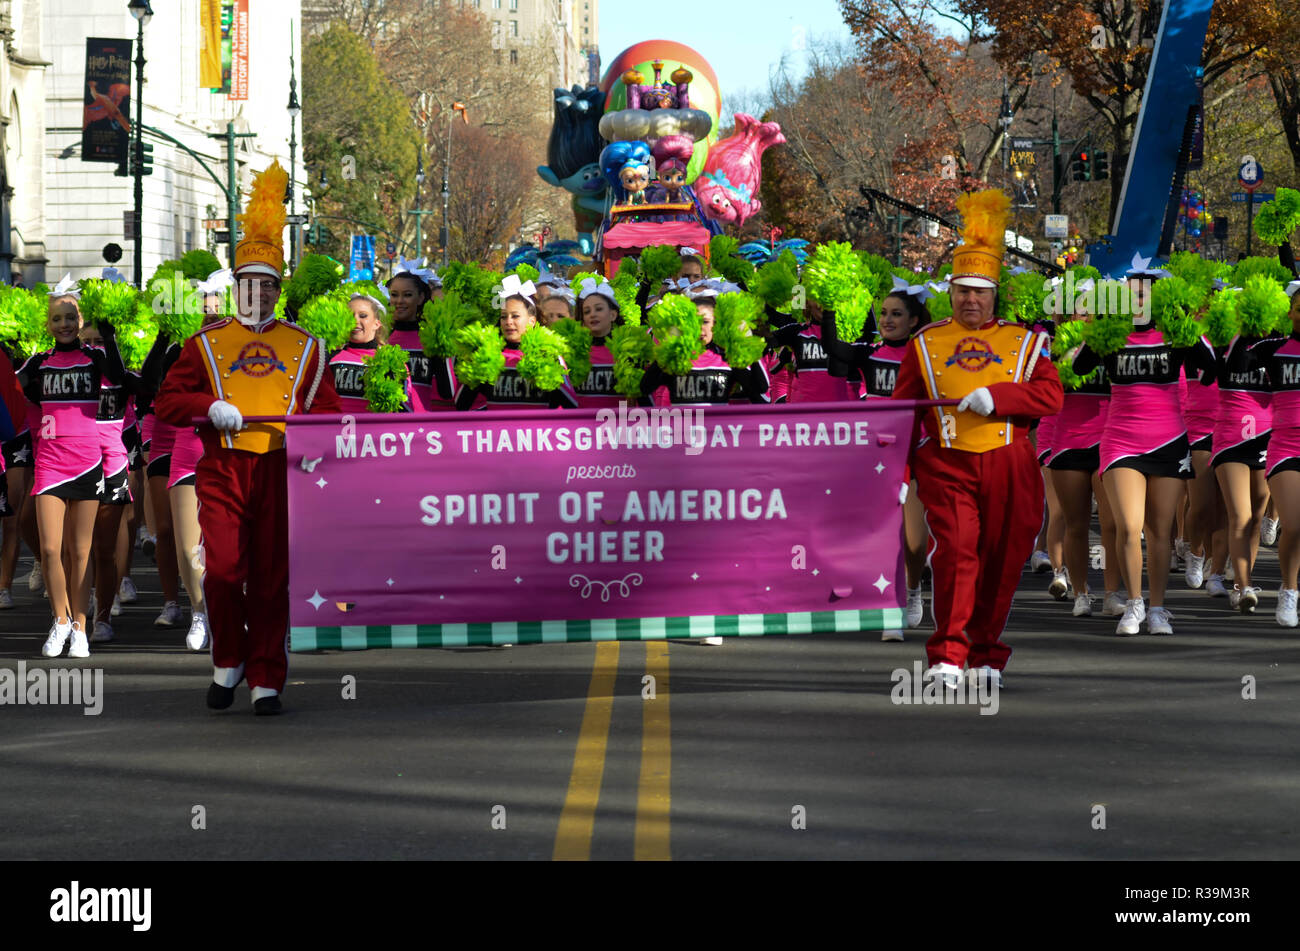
(653,799)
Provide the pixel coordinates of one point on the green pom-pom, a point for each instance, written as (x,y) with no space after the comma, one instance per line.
(878,274)
(23,319)
(628,268)
(659,263)
(832,273)
(329,318)
(526,272)
(476,287)
(940,306)
(632,349)
(1271,268)
(165,270)
(135,339)
(852,313)
(1222,322)
(575,283)
(734,318)
(441,319)
(480,354)
(176,306)
(1192,268)
(1261,305)
(1069,336)
(774,283)
(578,339)
(316,274)
(1276,221)
(542,357)
(106,302)
(384,382)
(1022,298)
(1174,304)
(675,323)
(1082,272)
(199,264)
(625,298)
(1109,334)
(722,255)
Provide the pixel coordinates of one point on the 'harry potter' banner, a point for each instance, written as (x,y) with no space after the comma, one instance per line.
(106,114)
(508,527)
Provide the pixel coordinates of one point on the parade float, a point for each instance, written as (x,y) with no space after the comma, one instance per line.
(641,157)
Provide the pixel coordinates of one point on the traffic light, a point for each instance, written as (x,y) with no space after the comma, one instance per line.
(144,155)
(1100,166)
(1081,166)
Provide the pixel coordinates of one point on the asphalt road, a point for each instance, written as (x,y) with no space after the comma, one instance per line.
(542,751)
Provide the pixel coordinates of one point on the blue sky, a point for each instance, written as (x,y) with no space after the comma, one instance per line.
(741,39)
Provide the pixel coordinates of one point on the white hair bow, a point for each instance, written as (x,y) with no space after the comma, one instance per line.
(564,292)
(217,282)
(548,278)
(1019,269)
(66,288)
(710,287)
(383,290)
(1292,288)
(687,252)
(113,275)
(357,295)
(589,287)
(1086,284)
(937,287)
(921,292)
(417,269)
(513,287)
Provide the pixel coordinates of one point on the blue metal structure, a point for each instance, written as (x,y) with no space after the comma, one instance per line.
(1171,90)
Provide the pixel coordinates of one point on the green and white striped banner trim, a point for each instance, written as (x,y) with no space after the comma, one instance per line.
(361,637)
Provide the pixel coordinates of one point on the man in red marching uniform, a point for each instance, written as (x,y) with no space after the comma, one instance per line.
(254,365)
(975,468)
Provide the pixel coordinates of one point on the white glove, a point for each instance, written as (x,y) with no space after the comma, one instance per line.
(902,494)
(225,416)
(980,401)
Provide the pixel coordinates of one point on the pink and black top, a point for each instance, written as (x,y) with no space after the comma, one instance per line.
(512,391)
(1245,410)
(597,390)
(433,379)
(711,381)
(1278,358)
(348,369)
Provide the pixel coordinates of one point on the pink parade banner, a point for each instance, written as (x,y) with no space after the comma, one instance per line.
(509,527)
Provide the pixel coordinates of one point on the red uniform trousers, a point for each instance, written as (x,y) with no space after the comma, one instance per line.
(244,519)
(984,511)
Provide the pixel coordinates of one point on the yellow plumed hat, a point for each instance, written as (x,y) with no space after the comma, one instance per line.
(262,249)
(978,259)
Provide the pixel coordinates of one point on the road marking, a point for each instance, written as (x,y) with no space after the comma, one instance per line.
(654,790)
(578,818)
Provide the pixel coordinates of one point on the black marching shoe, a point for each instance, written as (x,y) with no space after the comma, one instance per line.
(219,697)
(267,706)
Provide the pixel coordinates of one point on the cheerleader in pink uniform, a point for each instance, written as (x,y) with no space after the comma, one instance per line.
(1241,435)
(433,380)
(811,380)
(1205,527)
(1279,359)
(599,313)
(348,365)
(15,469)
(161,442)
(511,390)
(65,384)
(1145,454)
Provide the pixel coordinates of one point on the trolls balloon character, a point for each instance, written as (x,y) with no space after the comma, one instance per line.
(728,189)
(626,166)
(573,157)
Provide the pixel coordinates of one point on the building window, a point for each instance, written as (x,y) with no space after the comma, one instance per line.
(514,5)
(514,57)
(514,27)
(496,4)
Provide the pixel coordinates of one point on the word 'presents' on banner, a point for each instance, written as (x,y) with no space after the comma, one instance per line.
(430,529)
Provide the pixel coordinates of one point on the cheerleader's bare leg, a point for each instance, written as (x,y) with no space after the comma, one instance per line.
(1073,490)
(1164,493)
(1285,487)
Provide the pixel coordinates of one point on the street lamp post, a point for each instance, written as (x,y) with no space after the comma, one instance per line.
(294,111)
(143,13)
(419,215)
(445,237)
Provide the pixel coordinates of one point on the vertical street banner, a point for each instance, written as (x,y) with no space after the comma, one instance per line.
(362,262)
(478,528)
(209,44)
(239,52)
(106,116)
(227,23)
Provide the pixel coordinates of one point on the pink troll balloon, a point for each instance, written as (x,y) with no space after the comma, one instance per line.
(728,186)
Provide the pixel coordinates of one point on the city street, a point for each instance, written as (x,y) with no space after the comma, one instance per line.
(763,748)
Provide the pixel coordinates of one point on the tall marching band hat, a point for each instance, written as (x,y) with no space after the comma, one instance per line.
(977,262)
(262,250)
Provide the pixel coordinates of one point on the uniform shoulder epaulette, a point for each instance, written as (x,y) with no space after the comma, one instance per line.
(215,325)
(935,323)
(302,330)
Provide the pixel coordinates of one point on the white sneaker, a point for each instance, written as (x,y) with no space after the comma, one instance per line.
(35,581)
(6,599)
(1286,607)
(711,641)
(80,646)
(1040,562)
(141,534)
(1134,614)
(985,673)
(1060,585)
(915,607)
(197,638)
(126,592)
(59,634)
(894,635)
(1268,531)
(170,616)
(102,634)
(1113,606)
(1215,587)
(1158,621)
(1244,599)
(116,609)
(950,674)
(1181,549)
(1083,606)
(1194,573)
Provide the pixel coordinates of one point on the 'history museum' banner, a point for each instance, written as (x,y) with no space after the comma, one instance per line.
(479,528)
(106,115)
